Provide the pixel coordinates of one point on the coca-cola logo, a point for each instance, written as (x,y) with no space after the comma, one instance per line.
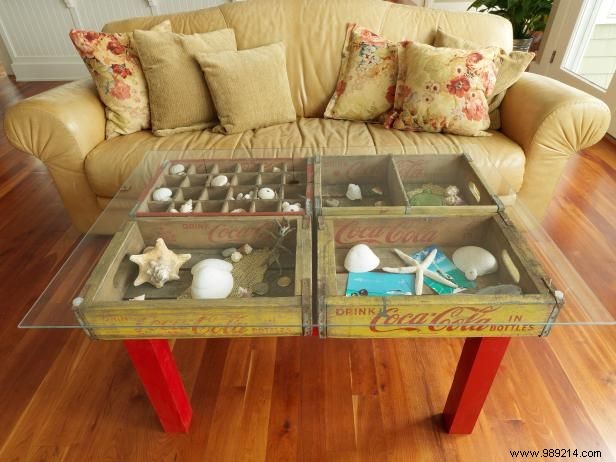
(454,318)
(223,233)
(352,232)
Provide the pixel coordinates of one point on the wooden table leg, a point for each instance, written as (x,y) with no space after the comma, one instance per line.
(474,375)
(154,363)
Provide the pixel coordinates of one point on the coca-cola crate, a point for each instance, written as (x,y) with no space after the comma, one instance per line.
(387,183)
(291,179)
(431,315)
(107,311)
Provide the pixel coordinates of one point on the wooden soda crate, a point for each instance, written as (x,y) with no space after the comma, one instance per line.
(291,179)
(107,313)
(387,180)
(431,315)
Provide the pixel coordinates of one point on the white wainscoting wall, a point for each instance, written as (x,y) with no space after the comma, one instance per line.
(35,32)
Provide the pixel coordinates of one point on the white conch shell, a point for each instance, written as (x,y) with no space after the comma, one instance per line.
(266,193)
(177,169)
(353,192)
(162,194)
(158,264)
(287,208)
(187,207)
(474,261)
(220,180)
(212,279)
(361,259)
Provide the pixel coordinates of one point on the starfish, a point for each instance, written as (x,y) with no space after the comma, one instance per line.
(158,264)
(420,270)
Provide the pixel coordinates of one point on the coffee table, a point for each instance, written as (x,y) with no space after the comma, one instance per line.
(313,306)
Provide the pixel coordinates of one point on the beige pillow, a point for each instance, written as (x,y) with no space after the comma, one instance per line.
(367,80)
(179,98)
(250,88)
(510,68)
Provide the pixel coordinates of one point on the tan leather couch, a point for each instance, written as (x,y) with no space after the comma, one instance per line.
(543,121)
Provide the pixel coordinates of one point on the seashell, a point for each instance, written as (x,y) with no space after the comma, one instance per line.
(239,196)
(211,263)
(474,261)
(228,252)
(220,180)
(174,210)
(138,298)
(377,190)
(236,256)
(158,264)
(246,249)
(187,207)
(276,169)
(177,169)
(238,211)
(266,194)
(284,281)
(261,288)
(452,190)
(289,208)
(361,259)
(162,194)
(353,192)
(211,281)
(332,202)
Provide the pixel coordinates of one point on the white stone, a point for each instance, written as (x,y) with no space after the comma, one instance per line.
(266,194)
(474,261)
(236,256)
(353,192)
(361,259)
(246,249)
(212,263)
(220,180)
(228,252)
(211,282)
(177,169)
(187,207)
(162,194)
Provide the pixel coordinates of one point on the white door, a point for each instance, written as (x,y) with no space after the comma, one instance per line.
(581,49)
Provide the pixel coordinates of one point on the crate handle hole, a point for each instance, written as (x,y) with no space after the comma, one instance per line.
(510,266)
(472,187)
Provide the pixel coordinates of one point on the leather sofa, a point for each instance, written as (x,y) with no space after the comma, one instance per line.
(543,121)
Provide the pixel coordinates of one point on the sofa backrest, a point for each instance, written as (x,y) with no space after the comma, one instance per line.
(314,30)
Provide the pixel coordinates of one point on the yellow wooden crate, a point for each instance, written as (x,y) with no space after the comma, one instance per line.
(107,313)
(463,315)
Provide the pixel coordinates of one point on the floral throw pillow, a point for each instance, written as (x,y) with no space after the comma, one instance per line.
(117,74)
(443,89)
(367,80)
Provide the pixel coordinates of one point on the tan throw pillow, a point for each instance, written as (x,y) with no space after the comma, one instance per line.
(179,98)
(367,80)
(443,89)
(511,66)
(250,88)
(117,74)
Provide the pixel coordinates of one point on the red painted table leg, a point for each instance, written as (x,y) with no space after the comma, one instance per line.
(156,368)
(474,376)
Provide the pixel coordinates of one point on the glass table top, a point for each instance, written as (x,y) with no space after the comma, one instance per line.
(300,284)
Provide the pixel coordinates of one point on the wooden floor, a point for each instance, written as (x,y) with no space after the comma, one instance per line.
(65,398)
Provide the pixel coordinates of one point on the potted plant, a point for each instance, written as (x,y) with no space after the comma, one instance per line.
(526,16)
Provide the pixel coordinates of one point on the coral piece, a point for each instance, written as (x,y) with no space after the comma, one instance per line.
(187,207)
(158,264)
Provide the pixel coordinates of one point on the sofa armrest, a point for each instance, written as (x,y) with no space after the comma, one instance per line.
(550,121)
(60,127)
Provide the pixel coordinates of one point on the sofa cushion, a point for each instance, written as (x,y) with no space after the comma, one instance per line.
(250,88)
(110,163)
(179,97)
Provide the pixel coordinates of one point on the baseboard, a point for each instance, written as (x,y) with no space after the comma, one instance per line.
(39,68)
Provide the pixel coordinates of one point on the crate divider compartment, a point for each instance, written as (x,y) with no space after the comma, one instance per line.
(107,311)
(401,316)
